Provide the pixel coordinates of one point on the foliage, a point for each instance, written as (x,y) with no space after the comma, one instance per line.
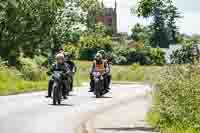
(183,55)
(67,21)
(20,28)
(172,15)
(164,14)
(12,82)
(145,8)
(90,43)
(95,41)
(31,70)
(176,99)
(73,49)
(33,27)
(144,56)
(85,44)
(157,56)
(192,39)
(92,8)
(141,34)
(159,37)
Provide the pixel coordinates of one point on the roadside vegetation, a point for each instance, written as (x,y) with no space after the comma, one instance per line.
(32,77)
(27,79)
(175,107)
(176,100)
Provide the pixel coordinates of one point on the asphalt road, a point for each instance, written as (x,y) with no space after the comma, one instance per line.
(32,113)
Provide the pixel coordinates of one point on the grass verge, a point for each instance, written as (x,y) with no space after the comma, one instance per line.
(176,100)
(13,81)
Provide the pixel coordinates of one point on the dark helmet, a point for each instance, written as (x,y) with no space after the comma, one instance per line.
(195,50)
(68,55)
(109,57)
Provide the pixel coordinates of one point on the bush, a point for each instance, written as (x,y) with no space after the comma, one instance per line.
(89,44)
(144,56)
(182,56)
(157,56)
(176,99)
(12,82)
(85,45)
(120,60)
(72,49)
(31,70)
(40,60)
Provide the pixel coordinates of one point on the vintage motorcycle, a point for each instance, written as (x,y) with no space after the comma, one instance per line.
(58,87)
(99,87)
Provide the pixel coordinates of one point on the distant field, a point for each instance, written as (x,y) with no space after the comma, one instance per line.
(133,73)
(12,83)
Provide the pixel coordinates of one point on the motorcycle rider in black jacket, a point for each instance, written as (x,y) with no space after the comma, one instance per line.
(59,66)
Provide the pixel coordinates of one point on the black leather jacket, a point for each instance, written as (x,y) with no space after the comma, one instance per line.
(60,67)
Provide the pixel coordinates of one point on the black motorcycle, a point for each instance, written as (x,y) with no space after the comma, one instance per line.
(58,87)
(99,89)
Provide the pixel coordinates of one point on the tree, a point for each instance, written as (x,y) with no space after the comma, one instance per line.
(32,27)
(159,37)
(145,8)
(164,15)
(141,34)
(172,15)
(67,21)
(92,8)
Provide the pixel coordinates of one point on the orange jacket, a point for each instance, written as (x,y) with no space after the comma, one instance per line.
(101,67)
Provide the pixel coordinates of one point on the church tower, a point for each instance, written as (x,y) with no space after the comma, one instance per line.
(109,17)
(115,18)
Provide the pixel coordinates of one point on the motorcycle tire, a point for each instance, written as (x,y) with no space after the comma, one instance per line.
(97,89)
(55,95)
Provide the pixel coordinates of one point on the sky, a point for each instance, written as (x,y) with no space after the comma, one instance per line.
(189,24)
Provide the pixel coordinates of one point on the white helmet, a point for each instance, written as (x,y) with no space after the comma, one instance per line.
(60,56)
(98,55)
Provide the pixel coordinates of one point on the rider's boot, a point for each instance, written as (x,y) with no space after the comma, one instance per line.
(71,84)
(64,97)
(50,84)
(105,91)
(91,90)
(91,86)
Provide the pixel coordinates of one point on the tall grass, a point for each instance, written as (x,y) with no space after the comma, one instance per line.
(133,73)
(32,69)
(12,82)
(176,100)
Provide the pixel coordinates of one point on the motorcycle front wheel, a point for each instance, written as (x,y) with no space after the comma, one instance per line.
(56,94)
(97,89)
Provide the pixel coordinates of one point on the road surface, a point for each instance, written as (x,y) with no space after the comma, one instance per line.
(81,113)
